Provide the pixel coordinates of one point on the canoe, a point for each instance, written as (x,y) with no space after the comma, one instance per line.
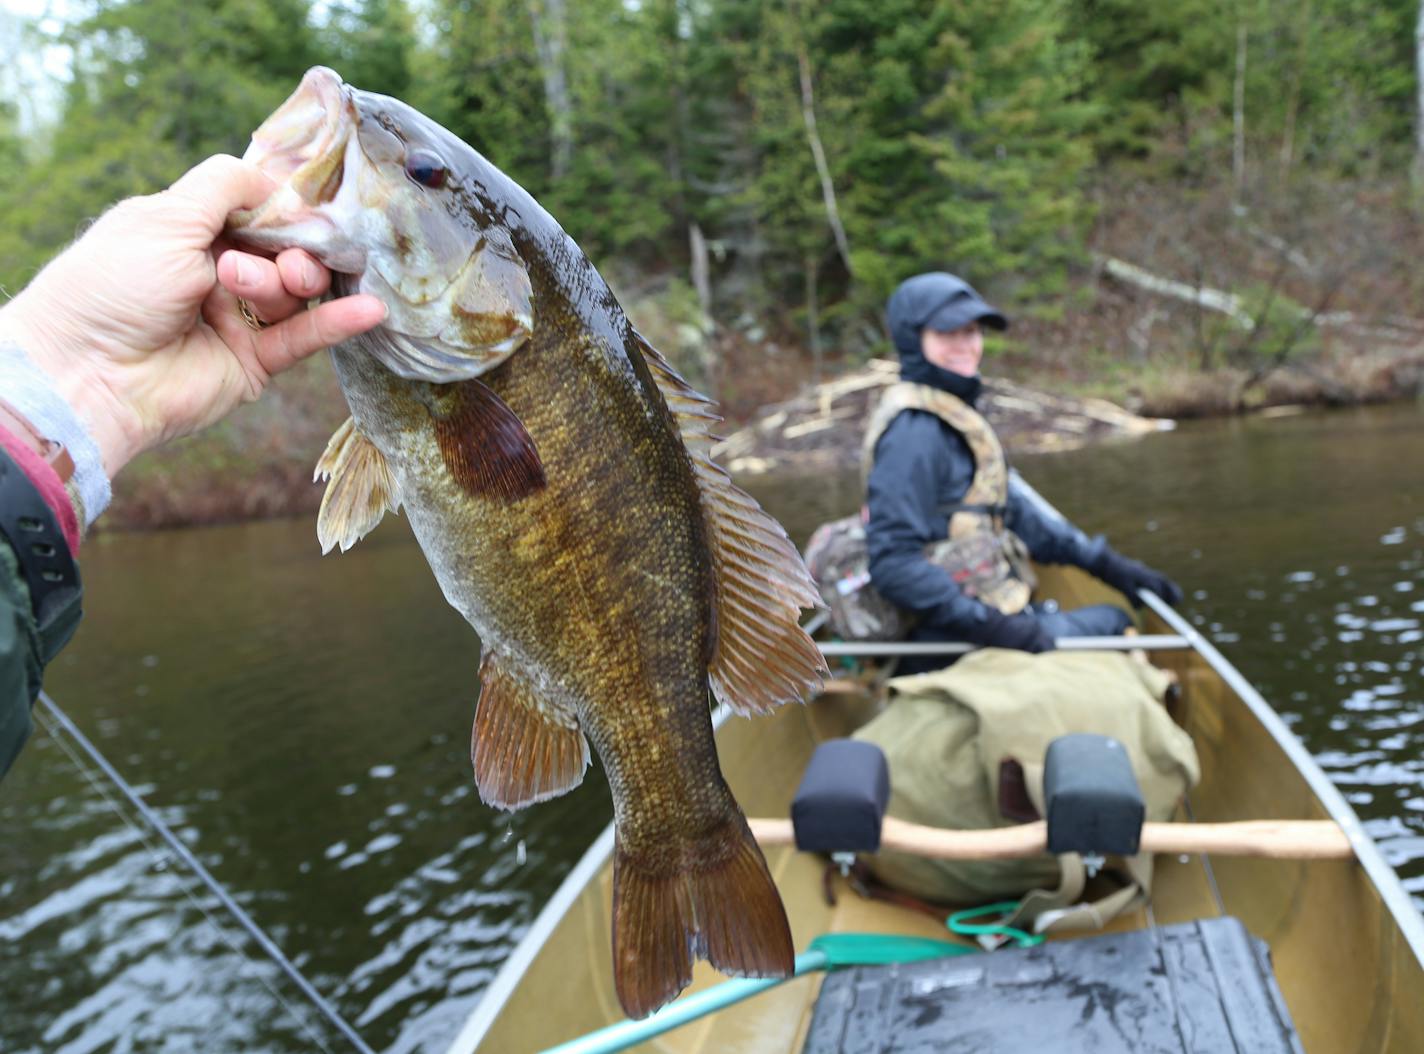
(1345,940)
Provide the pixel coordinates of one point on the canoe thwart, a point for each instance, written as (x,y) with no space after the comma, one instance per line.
(873,649)
(1277,839)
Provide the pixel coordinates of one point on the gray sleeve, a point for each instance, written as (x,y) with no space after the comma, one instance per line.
(1050,538)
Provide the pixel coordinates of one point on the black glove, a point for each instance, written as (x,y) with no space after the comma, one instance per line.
(1022,631)
(1128,576)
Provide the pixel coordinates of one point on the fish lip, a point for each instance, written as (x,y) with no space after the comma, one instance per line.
(300,146)
(313,123)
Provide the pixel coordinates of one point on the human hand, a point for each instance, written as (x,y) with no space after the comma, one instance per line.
(138,321)
(1128,576)
(1023,632)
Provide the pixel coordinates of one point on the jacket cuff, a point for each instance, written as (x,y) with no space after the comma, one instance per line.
(49,485)
(31,392)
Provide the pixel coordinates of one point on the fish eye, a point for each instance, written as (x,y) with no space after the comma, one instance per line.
(425,168)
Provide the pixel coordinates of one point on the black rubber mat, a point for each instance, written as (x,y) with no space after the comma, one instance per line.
(1195,987)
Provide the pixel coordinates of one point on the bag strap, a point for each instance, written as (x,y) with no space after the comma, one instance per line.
(1060,911)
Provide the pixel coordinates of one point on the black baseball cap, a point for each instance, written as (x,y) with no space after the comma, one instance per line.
(940,301)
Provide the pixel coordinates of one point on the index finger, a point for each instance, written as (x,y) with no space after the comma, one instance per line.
(221,185)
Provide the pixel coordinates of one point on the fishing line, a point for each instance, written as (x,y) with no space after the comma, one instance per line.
(62,720)
(160,863)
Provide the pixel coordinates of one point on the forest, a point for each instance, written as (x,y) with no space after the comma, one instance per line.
(1197,207)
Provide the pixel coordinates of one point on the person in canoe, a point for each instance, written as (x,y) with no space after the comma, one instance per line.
(950,531)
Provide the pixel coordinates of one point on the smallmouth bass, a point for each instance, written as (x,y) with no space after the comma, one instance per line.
(557,474)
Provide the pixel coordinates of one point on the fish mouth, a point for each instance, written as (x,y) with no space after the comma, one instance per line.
(303,146)
(306,130)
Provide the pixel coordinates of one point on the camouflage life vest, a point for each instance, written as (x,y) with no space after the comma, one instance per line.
(986,560)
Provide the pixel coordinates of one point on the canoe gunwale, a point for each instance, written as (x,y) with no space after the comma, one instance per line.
(511,972)
(1381,875)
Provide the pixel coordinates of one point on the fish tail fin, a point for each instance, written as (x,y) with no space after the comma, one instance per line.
(723,907)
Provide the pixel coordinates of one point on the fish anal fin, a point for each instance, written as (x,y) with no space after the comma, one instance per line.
(721,905)
(524,748)
(761,655)
(485,445)
(359,490)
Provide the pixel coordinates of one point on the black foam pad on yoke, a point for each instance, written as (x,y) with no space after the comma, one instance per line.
(841,801)
(1093,803)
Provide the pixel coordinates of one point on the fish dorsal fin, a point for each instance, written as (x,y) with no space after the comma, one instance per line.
(762,657)
(360,488)
(524,747)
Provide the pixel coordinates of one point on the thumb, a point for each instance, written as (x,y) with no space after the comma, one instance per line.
(222,184)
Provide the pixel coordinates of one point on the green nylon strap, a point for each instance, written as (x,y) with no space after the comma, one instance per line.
(959,923)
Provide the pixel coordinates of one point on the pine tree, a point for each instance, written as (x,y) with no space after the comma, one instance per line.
(953,136)
(483,83)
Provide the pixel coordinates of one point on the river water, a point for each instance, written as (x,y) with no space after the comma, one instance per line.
(303,724)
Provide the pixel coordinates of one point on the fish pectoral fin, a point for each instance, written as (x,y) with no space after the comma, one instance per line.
(524,747)
(485,445)
(359,491)
(762,656)
(719,903)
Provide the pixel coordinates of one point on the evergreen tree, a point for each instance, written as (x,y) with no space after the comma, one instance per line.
(1154,65)
(952,133)
(483,83)
(1328,83)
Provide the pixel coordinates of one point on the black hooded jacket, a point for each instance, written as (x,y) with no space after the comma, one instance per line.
(922,465)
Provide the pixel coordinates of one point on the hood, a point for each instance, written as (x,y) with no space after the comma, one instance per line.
(946,302)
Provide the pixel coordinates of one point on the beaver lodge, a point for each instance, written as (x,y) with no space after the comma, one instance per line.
(821,428)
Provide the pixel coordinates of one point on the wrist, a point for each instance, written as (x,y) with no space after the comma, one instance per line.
(54,402)
(110,425)
(1094,553)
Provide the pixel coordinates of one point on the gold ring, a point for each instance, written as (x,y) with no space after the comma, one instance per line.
(250,316)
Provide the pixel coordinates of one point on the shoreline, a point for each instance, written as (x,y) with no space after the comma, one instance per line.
(258,465)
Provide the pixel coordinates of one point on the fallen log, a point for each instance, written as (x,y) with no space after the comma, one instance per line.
(1228,304)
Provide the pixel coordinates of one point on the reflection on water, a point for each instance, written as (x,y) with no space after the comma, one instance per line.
(302,723)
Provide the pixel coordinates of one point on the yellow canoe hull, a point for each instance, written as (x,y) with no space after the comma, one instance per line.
(1346,942)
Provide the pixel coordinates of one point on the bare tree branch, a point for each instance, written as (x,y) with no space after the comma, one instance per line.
(823,170)
(551,41)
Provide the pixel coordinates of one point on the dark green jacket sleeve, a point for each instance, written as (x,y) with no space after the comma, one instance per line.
(25,649)
(20,668)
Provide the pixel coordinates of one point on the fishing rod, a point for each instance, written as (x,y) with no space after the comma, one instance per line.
(186,855)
